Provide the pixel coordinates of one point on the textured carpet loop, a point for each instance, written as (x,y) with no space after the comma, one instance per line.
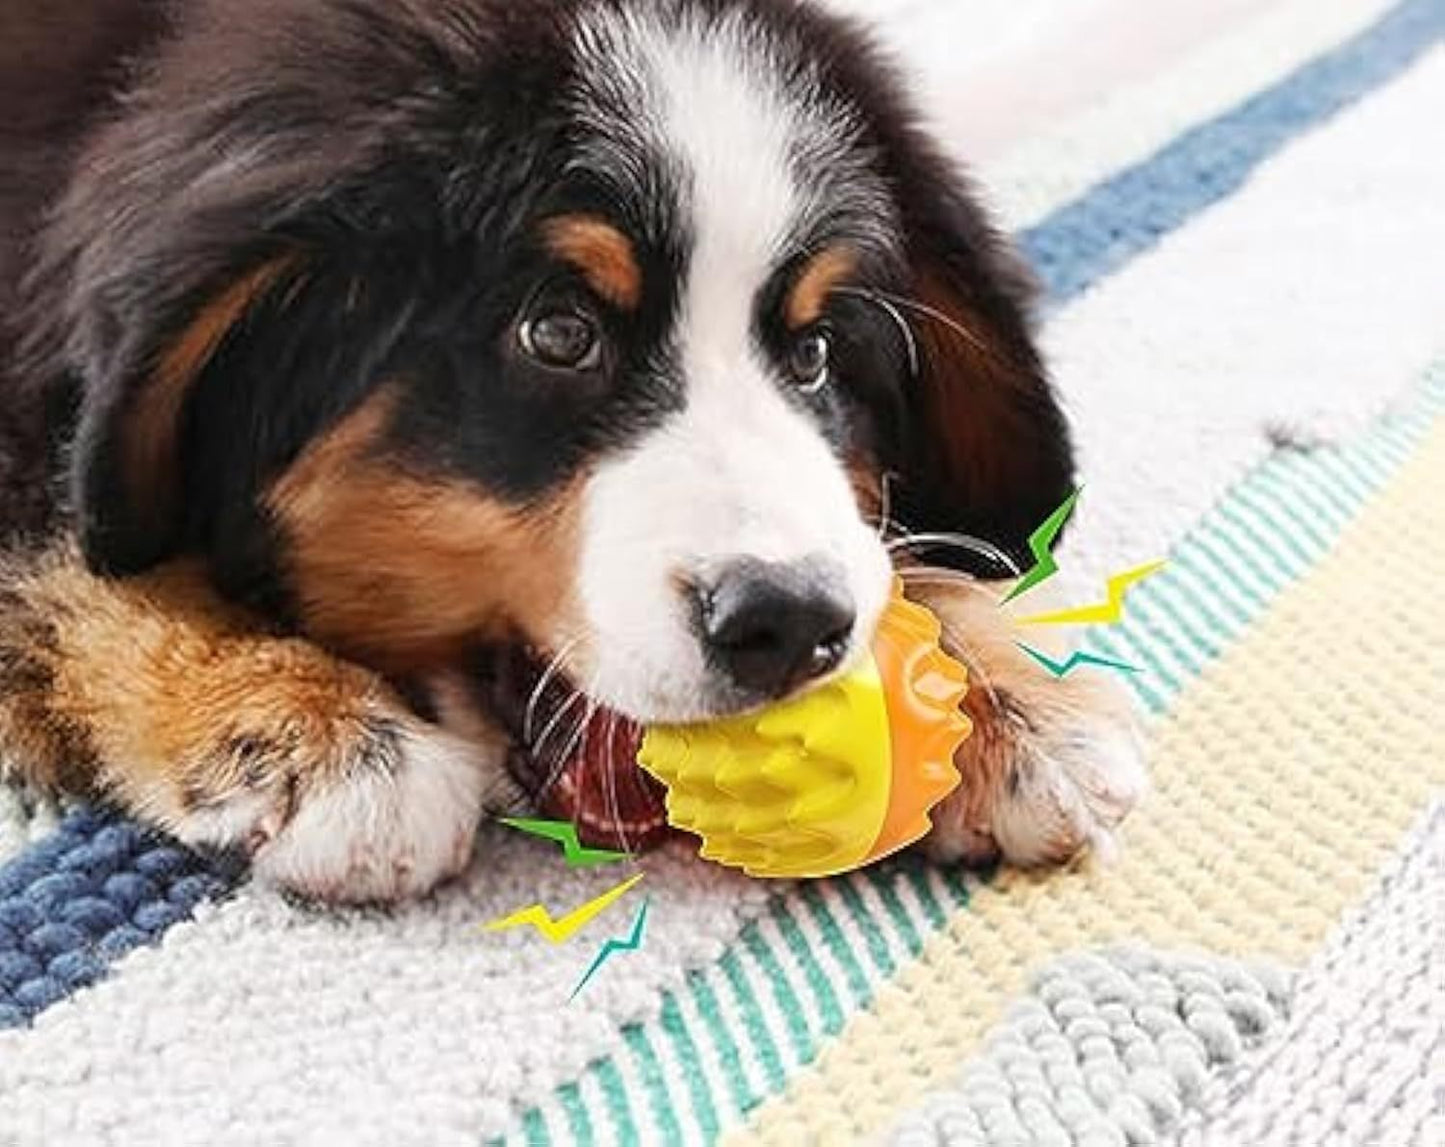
(1110,1046)
(1360,1061)
(95,889)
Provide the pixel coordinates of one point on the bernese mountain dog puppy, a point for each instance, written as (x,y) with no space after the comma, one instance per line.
(374,369)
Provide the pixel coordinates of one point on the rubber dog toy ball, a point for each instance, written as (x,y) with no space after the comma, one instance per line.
(832,780)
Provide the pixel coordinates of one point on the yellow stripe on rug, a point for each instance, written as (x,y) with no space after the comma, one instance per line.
(1284,777)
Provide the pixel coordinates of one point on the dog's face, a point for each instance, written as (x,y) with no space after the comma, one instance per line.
(604,332)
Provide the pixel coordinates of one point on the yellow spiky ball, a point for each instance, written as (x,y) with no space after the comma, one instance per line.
(832,780)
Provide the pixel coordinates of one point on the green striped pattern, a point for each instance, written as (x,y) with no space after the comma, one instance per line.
(738,1030)
(1269,530)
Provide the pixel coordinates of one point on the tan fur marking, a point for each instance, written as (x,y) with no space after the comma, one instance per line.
(151,425)
(153,694)
(825,273)
(602,253)
(174,699)
(404,572)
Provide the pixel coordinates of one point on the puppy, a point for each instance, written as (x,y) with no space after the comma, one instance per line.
(379,364)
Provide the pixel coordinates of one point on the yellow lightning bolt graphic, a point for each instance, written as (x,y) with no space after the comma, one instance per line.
(1108,612)
(560,931)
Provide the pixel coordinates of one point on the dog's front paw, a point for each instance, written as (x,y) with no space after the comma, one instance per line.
(397,821)
(355,800)
(159,697)
(1050,772)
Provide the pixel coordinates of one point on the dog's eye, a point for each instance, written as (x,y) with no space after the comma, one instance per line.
(562,340)
(810,359)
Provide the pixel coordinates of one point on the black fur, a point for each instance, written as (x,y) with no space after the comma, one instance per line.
(60,65)
(399,156)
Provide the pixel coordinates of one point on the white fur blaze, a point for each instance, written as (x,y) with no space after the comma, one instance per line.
(740,472)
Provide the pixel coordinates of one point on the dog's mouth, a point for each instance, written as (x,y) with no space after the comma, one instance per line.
(577,760)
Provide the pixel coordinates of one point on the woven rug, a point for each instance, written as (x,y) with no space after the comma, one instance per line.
(1236,216)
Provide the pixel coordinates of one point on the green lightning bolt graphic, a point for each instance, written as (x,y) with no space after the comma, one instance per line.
(565,834)
(1041,542)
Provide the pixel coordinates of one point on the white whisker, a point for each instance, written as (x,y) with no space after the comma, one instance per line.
(937,316)
(923,576)
(554,667)
(965,542)
(570,746)
(614,802)
(885,509)
(887,306)
(556,720)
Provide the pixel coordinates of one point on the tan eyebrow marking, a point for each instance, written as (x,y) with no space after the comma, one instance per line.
(825,272)
(602,253)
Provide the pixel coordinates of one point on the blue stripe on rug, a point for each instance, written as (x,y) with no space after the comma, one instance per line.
(100,886)
(1128,214)
(90,892)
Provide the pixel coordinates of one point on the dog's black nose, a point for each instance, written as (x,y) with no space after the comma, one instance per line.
(771,628)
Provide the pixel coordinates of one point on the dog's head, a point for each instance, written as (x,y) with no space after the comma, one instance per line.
(606,329)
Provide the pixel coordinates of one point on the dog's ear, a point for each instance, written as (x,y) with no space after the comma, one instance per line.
(126,463)
(986,449)
(182,215)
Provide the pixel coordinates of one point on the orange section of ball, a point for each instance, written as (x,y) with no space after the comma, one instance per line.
(923,689)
